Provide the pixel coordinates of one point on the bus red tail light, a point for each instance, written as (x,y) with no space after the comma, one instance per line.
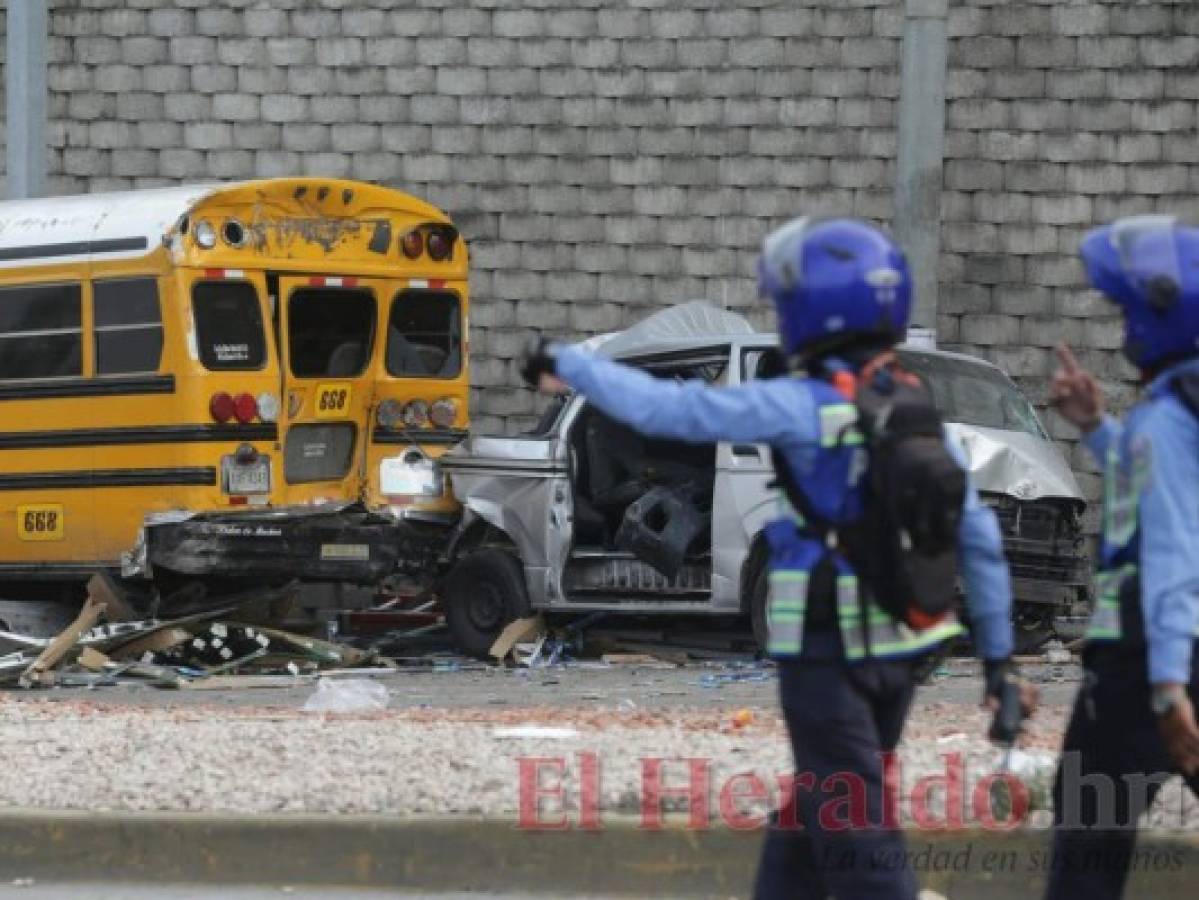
(221,407)
(440,246)
(245,408)
(413,244)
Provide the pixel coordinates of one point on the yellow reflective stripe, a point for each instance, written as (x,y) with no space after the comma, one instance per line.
(785,608)
(838,425)
(1105,619)
(899,639)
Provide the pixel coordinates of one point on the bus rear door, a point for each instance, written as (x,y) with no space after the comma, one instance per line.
(327,327)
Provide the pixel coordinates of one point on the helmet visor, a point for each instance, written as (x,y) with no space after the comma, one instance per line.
(1148,251)
(782,254)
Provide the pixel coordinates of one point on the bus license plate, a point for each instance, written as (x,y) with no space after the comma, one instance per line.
(399,478)
(246,477)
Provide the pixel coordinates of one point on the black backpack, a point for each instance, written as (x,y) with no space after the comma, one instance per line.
(904,548)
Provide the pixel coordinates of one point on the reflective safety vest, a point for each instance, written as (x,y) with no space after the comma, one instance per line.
(831,479)
(1117,583)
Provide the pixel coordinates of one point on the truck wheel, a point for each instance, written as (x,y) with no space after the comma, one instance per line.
(483,593)
(757,592)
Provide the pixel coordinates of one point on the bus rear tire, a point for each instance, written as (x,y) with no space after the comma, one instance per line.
(483,594)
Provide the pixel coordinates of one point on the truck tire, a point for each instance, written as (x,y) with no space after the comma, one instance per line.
(484,592)
(756,592)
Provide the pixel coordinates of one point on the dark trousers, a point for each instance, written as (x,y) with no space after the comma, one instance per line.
(1113,764)
(841,720)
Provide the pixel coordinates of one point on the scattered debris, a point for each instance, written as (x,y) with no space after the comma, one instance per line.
(1056,653)
(347,695)
(543,732)
(520,631)
(210,647)
(742,718)
(720,679)
(644,660)
(39,671)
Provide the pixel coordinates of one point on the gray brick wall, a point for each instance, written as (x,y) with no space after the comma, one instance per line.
(606,157)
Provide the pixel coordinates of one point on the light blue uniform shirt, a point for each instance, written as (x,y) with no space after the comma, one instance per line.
(1166,437)
(782,412)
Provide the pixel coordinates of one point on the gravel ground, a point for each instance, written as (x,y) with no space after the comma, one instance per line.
(436,749)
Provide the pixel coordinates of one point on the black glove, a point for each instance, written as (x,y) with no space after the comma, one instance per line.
(540,358)
(1003,684)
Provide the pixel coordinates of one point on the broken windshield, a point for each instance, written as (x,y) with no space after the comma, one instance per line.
(972,394)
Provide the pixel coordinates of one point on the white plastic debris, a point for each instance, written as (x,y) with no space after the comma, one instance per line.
(544,732)
(343,695)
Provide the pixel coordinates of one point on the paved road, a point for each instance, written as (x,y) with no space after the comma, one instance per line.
(695,686)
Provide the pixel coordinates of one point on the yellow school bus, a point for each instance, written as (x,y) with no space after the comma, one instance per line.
(244,379)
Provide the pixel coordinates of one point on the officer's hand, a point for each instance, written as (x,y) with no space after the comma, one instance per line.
(1012,699)
(539,364)
(1181,734)
(1074,393)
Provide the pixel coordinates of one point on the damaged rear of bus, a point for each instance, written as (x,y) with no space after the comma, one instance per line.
(325,322)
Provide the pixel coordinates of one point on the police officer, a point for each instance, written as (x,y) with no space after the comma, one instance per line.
(842,291)
(1135,713)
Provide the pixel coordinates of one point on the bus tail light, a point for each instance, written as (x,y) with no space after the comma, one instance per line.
(245,408)
(390,414)
(205,234)
(268,407)
(221,407)
(413,244)
(440,245)
(416,413)
(443,413)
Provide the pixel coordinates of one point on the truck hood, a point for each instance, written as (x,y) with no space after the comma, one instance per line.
(1021,465)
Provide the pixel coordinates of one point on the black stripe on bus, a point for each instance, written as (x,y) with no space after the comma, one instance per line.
(25,481)
(155,434)
(74,248)
(419,436)
(88,387)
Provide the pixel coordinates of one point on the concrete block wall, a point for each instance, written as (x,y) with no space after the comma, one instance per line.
(607,157)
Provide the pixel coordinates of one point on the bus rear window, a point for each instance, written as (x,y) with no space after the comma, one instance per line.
(330,331)
(229,330)
(41,334)
(424,335)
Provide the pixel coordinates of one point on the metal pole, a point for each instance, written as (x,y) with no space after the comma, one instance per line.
(921,149)
(25,127)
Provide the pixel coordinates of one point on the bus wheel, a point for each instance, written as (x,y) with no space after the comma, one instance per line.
(483,593)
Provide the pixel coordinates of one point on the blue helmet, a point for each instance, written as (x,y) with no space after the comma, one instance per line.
(1149,267)
(834,281)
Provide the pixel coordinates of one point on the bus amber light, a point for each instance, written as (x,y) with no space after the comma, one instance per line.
(245,408)
(221,407)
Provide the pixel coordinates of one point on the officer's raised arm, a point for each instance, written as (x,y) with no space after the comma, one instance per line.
(759,412)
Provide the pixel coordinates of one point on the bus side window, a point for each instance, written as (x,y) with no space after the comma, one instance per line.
(41,333)
(128,326)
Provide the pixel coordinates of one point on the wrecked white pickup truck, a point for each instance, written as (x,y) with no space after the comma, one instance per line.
(583,514)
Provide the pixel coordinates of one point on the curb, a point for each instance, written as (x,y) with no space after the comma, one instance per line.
(459,854)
